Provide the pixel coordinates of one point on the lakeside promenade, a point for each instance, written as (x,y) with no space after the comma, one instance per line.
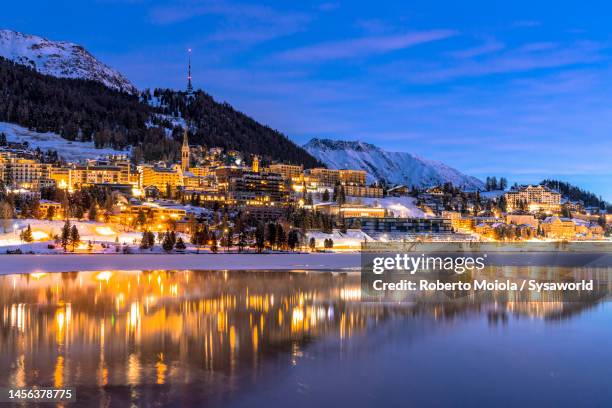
(10,264)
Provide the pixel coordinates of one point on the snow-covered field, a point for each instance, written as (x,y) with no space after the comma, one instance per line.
(350,240)
(46,259)
(70,151)
(44,230)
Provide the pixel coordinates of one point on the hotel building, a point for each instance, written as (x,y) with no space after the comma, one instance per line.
(288,171)
(24,173)
(533,199)
(258,188)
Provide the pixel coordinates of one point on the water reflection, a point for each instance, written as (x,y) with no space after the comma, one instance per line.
(142,337)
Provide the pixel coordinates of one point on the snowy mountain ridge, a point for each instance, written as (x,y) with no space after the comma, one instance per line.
(392,167)
(60,59)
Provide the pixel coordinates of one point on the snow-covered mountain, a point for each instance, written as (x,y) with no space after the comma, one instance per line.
(60,59)
(393,167)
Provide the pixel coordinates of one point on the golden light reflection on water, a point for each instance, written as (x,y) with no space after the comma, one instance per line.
(129,329)
(117,328)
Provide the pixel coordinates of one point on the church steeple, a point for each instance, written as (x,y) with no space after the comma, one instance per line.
(185,154)
(189,86)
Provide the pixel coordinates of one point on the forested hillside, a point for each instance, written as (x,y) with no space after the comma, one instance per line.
(83,110)
(219,124)
(575,193)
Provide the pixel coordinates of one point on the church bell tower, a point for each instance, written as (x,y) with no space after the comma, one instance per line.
(185,152)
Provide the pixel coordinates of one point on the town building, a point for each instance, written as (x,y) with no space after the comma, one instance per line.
(394,226)
(258,189)
(559,228)
(352,177)
(287,171)
(50,209)
(156,217)
(533,199)
(522,219)
(350,210)
(463,224)
(161,177)
(325,177)
(399,191)
(362,191)
(223,175)
(22,173)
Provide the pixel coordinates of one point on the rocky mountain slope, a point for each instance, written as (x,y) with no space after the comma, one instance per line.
(392,167)
(60,59)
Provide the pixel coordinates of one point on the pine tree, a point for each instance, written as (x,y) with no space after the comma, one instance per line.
(151,239)
(341,195)
(503,183)
(312,244)
(241,241)
(213,244)
(260,238)
(180,245)
(144,241)
(272,234)
(197,237)
(75,238)
(141,219)
(78,212)
(292,239)
(27,234)
(281,237)
(228,239)
(167,243)
(65,237)
(51,213)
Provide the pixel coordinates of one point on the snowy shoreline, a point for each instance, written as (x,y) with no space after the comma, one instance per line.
(11,264)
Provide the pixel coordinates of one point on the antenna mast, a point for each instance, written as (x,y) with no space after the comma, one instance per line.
(189,86)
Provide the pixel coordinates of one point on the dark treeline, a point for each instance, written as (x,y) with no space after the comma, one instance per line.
(575,193)
(74,109)
(86,111)
(219,124)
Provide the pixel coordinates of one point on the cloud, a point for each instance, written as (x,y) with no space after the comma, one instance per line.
(525,58)
(361,47)
(526,23)
(238,23)
(328,6)
(486,48)
(187,10)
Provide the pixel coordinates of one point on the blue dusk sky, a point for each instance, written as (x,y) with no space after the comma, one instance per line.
(517,89)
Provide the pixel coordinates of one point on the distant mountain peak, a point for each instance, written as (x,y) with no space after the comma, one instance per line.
(330,144)
(60,59)
(392,167)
